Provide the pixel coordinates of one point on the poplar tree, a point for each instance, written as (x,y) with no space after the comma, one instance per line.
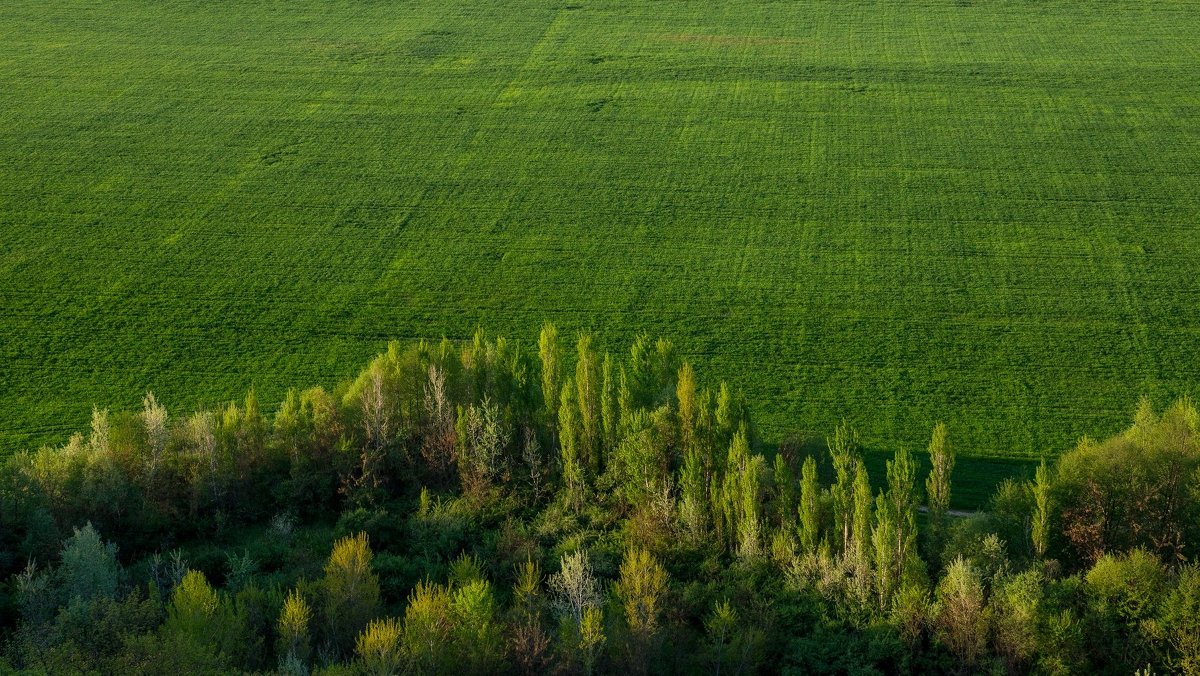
(750,524)
(960,621)
(609,408)
(863,501)
(685,395)
(551,356)
(937,487)
(785,493)
(588,387)
(428,625)
(741,491)
(693,501)
(641,590)
(725,412)
(843,448)
(810,495)
(896,530)
(292,630)
(379,649)
(529,640)
(568,431)
(625,404)
(641,372)
(1040,528)
(730,491)
(351,589)
(883,539)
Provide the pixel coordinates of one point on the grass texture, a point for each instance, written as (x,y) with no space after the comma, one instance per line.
(894,212)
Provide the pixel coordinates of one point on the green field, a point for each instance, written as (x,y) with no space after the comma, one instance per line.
(978,211)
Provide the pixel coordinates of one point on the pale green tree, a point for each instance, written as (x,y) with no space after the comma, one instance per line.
(809,508)
(351,589)
(937,487)
(550,352)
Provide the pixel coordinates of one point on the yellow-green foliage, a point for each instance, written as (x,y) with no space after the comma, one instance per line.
(478,641)
(641,588)
(203,617)
(427,626)
(378,648)
(351,588)
(293,626)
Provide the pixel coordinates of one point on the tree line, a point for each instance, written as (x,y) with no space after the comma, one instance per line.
(486,507)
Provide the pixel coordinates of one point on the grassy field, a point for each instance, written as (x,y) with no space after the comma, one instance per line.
(897,212)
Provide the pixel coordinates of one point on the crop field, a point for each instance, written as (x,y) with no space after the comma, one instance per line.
(982,212)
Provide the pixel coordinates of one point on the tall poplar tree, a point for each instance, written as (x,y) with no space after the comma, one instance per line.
(568,443)
(937,488)
(1040,528)
(685,395)
(551,355)
(895,511)
(810,495)
(861,538)
(609,409)
(785,493)
(587,384)
(843,451)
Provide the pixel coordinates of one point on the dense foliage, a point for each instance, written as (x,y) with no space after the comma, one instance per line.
(975,211)
(484,508)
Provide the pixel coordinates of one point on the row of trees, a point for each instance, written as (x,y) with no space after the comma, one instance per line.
(671,538)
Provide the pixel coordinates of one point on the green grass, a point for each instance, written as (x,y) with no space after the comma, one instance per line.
(896,212)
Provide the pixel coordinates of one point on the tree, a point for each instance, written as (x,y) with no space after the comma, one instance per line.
(427,628)
(725,415)
(1179,621)
(529,641)
(1040,528)
(481,439)
(860,554)
(1016,602)
(293,641)
(200,616)
(685,396)
(883,539)
(937,487)
(351,590)
(610,413)
(693,497)
(587,383)
(961,619)
(902,476)
(378,648)
(843,451)
(1135,490)
(577,600)
(721,626)
(641,590)
(154,421)
(479,645)
(89,567)
(551,356)
(1124,592)
(741,493)
(439,441)
(569,447)
(575,587)
(810,515)
(785,493)
(591,638)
